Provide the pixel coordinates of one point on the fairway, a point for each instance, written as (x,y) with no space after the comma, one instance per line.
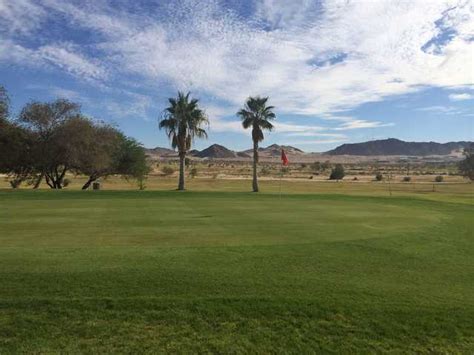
(234,272)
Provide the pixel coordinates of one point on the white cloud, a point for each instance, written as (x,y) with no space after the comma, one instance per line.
(134,106)
(67,58)
(316,134)
(358,124)
(444,110)
(20,16)
(461,97)
(317,141)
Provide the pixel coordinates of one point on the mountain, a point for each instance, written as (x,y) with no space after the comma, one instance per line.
(243,155)
(274,150)
(394,146)
(193,152)
(216,151)
(160,151)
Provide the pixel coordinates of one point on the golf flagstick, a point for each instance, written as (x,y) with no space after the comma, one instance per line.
(284,162)
(281,178)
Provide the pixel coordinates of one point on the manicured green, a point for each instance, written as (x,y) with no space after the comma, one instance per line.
(235,272)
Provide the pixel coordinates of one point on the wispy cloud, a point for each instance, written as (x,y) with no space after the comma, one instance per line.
(442,109)
(358,124)
(461,97)
(316,141)
(313,58)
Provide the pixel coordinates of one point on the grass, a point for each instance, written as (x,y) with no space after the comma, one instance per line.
(233,272)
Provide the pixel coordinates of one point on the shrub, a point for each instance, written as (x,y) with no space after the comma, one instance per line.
(379,177)
(141,183)
(439,178)
(193,173)
(326,165)
(406,179)
(167,170)
(66,182)
(466,166)
(15,183)
(337,173)
(265,171)
(316,166)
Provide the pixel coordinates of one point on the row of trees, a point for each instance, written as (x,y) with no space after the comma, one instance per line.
(183,120)
(46,141)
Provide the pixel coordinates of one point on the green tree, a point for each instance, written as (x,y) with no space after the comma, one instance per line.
(337,173)
(56,135)
(16,145)
(466,166)
(256,115)
(99,153)
(17,158)
(4,105)
(131,160)
(183,120)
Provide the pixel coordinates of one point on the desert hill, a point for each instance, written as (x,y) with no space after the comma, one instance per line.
(394,146)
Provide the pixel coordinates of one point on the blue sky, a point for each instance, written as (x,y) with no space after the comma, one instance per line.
(337,71)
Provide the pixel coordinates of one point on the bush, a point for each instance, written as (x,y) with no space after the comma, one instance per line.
(15,183)
(439,178)
(167,170)
(337,173)
(66,182)
(265,171)
(326,165)
(316,166)
(466,166)
(406,179)
(193,173)
(141,183)
(379,177)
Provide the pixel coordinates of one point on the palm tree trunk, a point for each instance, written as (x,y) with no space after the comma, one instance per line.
(255,161)
(182,156)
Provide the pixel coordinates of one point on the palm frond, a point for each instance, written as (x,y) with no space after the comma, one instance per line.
(183,120)
(257,114)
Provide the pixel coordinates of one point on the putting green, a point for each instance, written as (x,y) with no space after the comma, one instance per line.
(127,271)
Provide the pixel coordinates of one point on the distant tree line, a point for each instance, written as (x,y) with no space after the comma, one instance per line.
(48,140)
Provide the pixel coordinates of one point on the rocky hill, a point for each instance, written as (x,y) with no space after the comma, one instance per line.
(274,150)
(159,151)
(394,146)
(216,151)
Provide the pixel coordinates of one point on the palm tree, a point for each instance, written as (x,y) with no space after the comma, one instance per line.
(182,121)
(257,115)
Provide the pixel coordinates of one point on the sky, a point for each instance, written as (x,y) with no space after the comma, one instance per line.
(337,71)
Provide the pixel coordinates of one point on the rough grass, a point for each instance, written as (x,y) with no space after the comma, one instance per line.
(233,272)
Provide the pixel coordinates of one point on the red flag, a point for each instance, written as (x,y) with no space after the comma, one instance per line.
(284,159)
